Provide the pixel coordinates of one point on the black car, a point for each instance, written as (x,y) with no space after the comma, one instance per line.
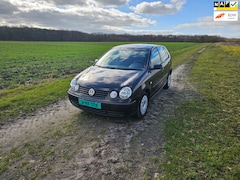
(123,80)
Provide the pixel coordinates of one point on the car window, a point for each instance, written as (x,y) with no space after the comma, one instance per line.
(163,54)
(155,58)
(125,58)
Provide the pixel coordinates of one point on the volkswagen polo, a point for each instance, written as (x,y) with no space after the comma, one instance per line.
(123,80)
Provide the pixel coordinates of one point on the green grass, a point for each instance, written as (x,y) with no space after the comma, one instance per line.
(24,63)
(13,155)
(29,62)
(25,99)
(203,140)
(35,74)
(181,55)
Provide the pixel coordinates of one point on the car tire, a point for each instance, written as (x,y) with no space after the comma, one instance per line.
(168,83)
(142,105)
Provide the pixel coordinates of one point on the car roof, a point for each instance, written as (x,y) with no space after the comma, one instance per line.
(145,46)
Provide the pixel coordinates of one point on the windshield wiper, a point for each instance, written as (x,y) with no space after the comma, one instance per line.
(109,67)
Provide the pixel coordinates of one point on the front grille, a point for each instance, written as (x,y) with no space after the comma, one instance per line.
(98,93)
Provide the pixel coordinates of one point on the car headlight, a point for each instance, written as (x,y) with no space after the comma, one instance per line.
(74,85)
(73,82)
(76,88)
(125,93)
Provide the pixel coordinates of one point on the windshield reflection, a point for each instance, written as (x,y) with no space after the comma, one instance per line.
(124,58)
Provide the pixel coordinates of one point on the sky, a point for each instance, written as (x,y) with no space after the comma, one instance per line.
(136,17)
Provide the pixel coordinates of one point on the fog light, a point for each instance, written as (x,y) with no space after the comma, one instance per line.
(113,94)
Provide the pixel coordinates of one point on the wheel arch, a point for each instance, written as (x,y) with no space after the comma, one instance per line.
(148,92)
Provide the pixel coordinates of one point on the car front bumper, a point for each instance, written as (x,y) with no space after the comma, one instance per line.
(108,108)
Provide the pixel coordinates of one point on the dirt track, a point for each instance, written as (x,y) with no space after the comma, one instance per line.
(62,142)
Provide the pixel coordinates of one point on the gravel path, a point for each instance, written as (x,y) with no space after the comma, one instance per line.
(87,146)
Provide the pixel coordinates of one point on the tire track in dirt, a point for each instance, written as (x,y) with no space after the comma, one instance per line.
(31,126)
(120,148)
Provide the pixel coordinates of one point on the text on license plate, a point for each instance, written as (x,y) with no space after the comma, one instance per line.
(91,104)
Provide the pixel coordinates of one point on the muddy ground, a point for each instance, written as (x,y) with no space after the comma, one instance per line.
(62,142)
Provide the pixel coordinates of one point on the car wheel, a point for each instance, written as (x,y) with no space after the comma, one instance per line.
(168,83)
(142,105)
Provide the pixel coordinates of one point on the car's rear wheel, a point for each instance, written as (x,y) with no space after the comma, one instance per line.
(142,105)
(168,83)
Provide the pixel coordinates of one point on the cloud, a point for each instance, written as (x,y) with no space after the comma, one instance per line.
(87,18)
(178,3)
(158,7)
(208,23)
(89,2)
(112,2)
(117,30)
(72,2)
(6,8)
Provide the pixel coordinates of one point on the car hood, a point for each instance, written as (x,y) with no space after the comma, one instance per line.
(95,76)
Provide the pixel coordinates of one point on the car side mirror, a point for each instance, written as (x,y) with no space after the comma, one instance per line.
(158,66)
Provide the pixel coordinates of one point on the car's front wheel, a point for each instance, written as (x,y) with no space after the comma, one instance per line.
(142,105)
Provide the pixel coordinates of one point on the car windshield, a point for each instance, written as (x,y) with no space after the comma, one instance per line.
(125,58)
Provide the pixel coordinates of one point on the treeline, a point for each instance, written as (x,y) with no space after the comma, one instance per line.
(35,34)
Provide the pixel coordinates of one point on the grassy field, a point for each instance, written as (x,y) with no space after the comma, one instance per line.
(35,74)
(203,140)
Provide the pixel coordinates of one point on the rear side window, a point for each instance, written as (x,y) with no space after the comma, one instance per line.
(155,58)
(163,53)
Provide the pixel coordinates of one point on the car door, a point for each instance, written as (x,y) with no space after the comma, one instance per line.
(165,62)
(156,73)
